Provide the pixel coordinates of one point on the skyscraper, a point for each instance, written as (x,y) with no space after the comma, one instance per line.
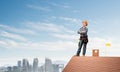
(48,65)
(15,69)
(25,65)
(55,68)
(19,66)
(9,69)
(30,68)
(35,65)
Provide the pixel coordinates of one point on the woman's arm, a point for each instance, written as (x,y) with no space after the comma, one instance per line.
(82,31)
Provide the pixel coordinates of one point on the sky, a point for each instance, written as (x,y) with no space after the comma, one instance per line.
(48,28)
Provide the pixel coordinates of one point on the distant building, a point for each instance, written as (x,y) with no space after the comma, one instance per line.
(55,68)
(30,68)
(9,69)
(61,67)
(35,65)
(25,65)
(3,69)
(19,64)
(15,69)
(48,65)
(41,68)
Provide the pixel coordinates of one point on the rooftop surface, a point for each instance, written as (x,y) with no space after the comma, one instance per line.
(93,64)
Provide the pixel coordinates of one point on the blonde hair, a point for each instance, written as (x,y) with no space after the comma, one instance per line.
(85,21)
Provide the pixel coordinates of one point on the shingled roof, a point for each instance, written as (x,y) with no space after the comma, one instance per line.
(93,64)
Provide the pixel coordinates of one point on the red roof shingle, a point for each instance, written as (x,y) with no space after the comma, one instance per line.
(93,64)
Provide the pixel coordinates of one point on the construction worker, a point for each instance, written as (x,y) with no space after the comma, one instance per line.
(83,38)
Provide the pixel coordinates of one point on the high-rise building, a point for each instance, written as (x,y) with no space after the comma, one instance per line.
(19,64)
(35,65)
(41,68)
(55,68)
(25,65)
(30,68)
(48,65)
(9,69)
(15,69)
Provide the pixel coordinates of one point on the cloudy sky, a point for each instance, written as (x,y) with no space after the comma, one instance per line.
(47,28)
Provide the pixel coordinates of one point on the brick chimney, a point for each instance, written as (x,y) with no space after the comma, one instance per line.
(95,53)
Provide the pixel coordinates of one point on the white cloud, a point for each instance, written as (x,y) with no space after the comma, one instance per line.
(14,40)
(97,42)
(71,19)
(49,27)
(100,43)
(66,36)
(58,45)
(39,7)
(66,6)
(3,43)
(12,36)
(9,44)
(43,26)
(76,11)
(16,30)
(50,46)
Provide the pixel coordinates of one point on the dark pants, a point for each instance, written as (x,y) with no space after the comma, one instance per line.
(80,45)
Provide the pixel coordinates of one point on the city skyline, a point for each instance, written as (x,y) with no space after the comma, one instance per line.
(25,66)
(48,28)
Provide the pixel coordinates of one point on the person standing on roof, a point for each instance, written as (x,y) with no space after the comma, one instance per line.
(83,38)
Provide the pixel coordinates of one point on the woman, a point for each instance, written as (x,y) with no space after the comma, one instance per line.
(83,38)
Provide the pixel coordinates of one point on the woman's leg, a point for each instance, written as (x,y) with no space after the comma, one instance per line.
(79,47)
(84,48)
